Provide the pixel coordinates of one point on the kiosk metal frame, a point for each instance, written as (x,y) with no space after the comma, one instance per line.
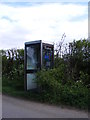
(40,47)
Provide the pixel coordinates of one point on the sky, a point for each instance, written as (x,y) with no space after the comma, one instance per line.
(22,22)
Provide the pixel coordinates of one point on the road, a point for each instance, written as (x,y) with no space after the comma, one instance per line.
(18,108)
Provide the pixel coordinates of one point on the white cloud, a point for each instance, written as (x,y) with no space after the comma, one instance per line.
(45,22)
(47,1)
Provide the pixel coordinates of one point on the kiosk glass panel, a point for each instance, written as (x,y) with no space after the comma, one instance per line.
(33,56)
(31,84)
(47,57)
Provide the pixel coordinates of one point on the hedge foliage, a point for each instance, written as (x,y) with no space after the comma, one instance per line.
(52,89)
(13,68)
(67,83)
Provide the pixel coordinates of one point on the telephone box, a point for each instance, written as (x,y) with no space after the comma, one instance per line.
(38,56)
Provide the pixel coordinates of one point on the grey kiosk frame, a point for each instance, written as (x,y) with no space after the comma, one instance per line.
(35,49)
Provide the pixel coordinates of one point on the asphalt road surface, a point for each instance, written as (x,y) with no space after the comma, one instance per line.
(18,108)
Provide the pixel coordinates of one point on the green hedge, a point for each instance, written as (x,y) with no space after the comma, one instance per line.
(67,83)
(54,91)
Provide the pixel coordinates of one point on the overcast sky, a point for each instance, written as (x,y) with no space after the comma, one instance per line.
(27,21)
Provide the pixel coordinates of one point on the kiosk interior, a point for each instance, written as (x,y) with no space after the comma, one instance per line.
(38,55)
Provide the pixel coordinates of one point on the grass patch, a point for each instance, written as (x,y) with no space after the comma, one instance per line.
(8,90)
(63,97)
